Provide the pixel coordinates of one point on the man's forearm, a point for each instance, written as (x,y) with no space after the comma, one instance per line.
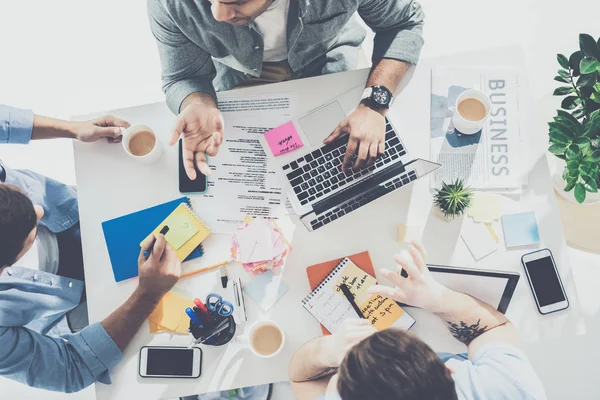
(123,323)
(197,97)
(467,317)
(50,128)
(387,72)
(312,361)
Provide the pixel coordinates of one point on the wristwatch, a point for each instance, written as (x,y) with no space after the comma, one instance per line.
(377,97)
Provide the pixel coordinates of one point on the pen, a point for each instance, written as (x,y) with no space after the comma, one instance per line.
(190,313)
(205,315)
(350,298)
(163,231)
(242,300)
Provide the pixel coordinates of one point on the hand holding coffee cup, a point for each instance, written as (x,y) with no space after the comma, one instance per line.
(141,143)
(472,110)
(265,339)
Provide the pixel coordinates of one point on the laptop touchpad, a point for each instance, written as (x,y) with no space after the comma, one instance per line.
(320,123)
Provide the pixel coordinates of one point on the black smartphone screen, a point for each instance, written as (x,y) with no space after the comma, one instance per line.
(177,362)
(544,280)
(186,185)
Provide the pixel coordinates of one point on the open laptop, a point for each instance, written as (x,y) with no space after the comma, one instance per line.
(318,189)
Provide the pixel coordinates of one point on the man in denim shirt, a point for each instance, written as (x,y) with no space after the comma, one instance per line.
(39,290)
(211,45)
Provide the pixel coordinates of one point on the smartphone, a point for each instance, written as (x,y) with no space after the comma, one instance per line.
(170,362)
(543,277)
(186,185)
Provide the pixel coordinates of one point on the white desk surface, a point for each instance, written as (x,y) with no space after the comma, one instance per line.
(110,184)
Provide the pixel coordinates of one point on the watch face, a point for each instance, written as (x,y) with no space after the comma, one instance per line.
(381,96)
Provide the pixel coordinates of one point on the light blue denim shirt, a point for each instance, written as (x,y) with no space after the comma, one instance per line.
(200,54)
(36,344)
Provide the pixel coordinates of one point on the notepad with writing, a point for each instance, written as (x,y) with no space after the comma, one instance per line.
(330,307)
(186,231)
(123,236)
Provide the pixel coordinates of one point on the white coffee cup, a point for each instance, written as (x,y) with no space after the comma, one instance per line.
(251,340)
(469,127)
(149,157)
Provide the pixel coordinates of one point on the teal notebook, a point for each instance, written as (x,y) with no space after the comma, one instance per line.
(124,234)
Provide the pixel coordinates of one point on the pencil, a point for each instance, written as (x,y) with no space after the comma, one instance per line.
(201,270)
(350,298)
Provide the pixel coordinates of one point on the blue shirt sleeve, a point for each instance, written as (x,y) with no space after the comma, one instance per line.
(64,364)
(16,125)
(497,370)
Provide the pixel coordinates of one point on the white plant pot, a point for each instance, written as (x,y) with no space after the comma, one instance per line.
(557,168)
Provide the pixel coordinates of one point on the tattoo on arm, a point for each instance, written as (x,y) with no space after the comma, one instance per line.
(466,333)
(325,372)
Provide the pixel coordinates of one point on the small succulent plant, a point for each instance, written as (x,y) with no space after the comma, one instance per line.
(454,198)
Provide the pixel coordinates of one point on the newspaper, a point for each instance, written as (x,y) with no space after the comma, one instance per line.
(487,160)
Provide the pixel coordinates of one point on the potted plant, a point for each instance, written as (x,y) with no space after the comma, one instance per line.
(453,199)
(575,132)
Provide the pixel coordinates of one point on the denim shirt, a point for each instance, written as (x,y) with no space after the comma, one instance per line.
(36,345)
(200,54)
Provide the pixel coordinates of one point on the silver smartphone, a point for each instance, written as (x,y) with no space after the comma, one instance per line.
(170,362)
(543,277)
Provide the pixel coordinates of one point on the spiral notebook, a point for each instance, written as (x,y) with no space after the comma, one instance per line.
(186,231)
(330,307)
(123,235)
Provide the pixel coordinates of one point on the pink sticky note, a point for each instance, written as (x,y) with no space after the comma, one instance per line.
(283,139)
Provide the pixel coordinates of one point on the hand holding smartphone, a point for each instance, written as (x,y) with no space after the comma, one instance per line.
(543,277)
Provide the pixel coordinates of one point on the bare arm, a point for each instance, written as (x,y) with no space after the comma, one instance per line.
(87,131)
(313,361)
(158,275)
(387,72)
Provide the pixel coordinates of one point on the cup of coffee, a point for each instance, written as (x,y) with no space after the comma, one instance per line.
(141,143)
(266,339)
(472,110)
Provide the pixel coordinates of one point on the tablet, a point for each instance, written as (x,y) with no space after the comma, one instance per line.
(493,287)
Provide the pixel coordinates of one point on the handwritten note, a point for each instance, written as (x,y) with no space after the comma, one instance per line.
(357,280)
(283,139)
(381,311)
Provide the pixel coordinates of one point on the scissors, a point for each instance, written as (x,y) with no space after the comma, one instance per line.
(216,304)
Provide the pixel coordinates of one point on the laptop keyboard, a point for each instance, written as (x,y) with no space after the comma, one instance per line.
(318,173)
(362,199)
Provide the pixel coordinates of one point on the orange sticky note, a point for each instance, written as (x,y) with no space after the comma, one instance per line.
(381,311)
(169,313)
(283,139)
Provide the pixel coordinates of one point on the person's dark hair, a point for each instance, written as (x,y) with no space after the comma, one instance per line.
(394,365)
(17,220)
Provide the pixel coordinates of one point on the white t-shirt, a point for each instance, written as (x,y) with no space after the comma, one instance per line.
(272,25)
(43,254)
(498,371)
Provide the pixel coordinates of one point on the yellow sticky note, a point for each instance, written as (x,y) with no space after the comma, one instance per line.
(485,207)
(181,229)
(170,311)
(381,311)
(357,280)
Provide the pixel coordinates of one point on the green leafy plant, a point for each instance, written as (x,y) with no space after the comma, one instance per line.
(575,132)
(453,199)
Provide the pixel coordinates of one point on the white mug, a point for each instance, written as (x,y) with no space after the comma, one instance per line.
(154,154)
(465,126)
(247,340)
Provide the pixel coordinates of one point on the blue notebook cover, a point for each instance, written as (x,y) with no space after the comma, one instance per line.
(124,234)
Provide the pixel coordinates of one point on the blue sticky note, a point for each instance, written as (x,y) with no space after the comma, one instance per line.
(520,229)
(266,289)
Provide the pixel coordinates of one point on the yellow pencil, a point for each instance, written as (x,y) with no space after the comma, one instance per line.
(201,270)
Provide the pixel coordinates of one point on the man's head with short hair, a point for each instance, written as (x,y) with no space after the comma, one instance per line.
(18,224)
(394,365)
(238,12)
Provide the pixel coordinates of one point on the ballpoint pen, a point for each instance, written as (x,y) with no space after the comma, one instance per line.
(190,313)
(350,298)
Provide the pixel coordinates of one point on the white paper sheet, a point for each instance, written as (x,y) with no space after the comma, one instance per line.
(241,182)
